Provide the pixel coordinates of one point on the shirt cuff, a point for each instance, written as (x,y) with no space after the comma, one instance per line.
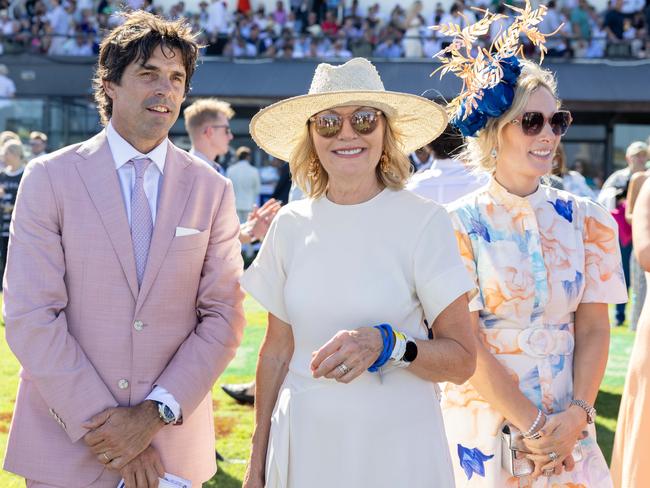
(160,394)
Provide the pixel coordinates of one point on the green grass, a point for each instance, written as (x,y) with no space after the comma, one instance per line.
(234,423)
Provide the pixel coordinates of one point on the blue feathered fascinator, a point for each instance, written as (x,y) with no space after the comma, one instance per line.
(489,75)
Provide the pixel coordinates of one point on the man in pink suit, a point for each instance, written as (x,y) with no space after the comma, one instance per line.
(122,297)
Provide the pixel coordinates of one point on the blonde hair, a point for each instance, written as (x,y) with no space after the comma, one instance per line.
(15,147)
(7,135)
(397,172)
(205,110)
(478,149)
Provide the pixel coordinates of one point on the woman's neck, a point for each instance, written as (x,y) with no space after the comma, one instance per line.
(517,184)
(352,192)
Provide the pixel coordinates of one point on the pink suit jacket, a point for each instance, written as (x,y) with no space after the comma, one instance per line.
(88,339)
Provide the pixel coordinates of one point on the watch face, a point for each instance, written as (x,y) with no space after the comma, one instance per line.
(411,352)
(167,414)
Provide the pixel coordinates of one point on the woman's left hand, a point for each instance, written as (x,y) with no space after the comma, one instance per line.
(560,434)
(348,354)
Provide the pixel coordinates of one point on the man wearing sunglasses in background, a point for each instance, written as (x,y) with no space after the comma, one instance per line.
(206,122)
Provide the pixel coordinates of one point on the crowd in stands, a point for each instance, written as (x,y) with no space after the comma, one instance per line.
(321,28)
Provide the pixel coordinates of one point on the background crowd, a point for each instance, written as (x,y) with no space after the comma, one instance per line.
(321,28)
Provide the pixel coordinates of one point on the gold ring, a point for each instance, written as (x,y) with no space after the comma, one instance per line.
(108,460)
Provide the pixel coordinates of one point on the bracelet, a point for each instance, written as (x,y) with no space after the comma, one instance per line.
(533,428)
(388,337)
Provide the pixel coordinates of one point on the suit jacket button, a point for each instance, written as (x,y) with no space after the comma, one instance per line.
(123,384)
(138,325)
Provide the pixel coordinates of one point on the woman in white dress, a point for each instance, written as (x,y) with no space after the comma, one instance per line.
(412,37)
(350,277)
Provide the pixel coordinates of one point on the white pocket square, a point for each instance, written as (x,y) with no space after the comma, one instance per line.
(185,231)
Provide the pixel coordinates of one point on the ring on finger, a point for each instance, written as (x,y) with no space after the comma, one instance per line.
(108,460)
(343,369)
(548,472)
(552,455)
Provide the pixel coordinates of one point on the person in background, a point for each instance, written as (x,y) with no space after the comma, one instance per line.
(421,159)
(448,178)
(269,176)
(638,283)
(636,156)
(575,182)
(10,176)
(283,186)
(6,136)
(37,143)
(630,467)
(625,243)
(207,124)
(245,181)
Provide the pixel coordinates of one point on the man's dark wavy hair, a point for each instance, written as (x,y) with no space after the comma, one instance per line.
(135,40)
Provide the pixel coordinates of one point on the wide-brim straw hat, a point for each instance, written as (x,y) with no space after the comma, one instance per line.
(278,127)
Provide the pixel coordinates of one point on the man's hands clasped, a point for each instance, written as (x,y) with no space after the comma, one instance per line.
(121,439)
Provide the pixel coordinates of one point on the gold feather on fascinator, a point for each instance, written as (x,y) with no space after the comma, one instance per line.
(484,69)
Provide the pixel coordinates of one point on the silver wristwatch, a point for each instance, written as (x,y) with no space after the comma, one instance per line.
(589,409)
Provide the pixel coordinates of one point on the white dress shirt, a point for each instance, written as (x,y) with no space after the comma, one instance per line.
(123,152)
(447,180)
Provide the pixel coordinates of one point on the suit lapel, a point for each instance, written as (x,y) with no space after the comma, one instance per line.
(97,170)
(176,187)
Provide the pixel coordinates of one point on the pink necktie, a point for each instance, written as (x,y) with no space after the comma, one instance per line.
(141,220)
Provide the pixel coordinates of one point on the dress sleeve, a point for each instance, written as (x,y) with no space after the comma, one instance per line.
(440,276)
(464,243)
(265,278)
(604,279)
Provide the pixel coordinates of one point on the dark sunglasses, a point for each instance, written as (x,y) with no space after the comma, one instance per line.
(225,127)
(329,124)
(532,123)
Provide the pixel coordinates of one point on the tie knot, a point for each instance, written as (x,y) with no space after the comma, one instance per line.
(140,165)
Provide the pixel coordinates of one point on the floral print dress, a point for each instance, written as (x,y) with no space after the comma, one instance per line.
(534,260)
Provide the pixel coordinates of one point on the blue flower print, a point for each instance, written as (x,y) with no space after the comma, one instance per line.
(572,288)
(563,208)
(471,460)
(480,229)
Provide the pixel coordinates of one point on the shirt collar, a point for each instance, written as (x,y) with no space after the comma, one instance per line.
(511,200)
(123,151)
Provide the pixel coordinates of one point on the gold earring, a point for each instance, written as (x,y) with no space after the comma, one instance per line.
(314,168)
(384,163)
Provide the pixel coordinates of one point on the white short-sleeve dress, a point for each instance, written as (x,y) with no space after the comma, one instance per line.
(325,267)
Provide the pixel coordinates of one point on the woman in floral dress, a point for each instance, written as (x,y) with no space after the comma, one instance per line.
(546,263)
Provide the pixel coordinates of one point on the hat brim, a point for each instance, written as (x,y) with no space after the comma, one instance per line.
(278,127)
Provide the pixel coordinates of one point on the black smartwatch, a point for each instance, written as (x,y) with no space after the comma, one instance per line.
(411,351)
(165,413)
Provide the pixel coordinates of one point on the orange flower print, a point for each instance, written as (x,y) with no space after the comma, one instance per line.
(600,235)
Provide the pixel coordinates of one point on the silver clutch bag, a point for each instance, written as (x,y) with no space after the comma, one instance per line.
(513,452)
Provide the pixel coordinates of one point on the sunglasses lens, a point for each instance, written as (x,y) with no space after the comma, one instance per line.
(328,125)
(560,122)
(364,121)
(532,123)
